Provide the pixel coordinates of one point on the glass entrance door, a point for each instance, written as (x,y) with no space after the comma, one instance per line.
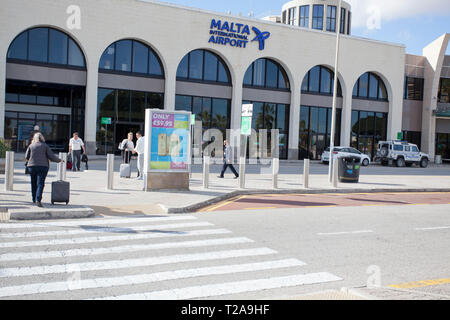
(121,131)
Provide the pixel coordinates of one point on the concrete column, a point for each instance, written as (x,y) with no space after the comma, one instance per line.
(236,114)
(294,122)
(90,134)
(395,114)
(170,89)
(2,89)
(346,118)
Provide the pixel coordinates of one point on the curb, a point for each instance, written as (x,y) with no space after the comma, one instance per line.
(357,292)
(194,207)
(47,214)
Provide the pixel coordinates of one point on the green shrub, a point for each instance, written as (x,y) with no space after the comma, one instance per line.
(3,148)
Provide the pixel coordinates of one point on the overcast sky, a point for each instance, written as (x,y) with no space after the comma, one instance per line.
(414,23)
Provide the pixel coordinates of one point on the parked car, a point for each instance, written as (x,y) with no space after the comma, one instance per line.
(345,151)
(402,153)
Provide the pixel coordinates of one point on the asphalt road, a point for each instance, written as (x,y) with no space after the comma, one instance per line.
(244,254)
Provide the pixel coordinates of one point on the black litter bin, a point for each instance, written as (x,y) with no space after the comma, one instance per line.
(349,169)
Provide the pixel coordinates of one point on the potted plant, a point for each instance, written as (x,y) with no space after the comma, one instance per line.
(3,148)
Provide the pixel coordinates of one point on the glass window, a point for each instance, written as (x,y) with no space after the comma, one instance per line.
(106,102)
(76,57)
(305,84)
(182,71)
(292,15)
(398,147)
(373,86)
(314,76)
(331,18)
(248,76)
(183,103)
(304,118)
(155,100)
(155,65)
(107,59)
(325,81)
(271,75)
(223,74)
(304,16)
(382,95)
(349,22)
(363,85)
(140,58)
(123,105)
(343,11)
(27,98)
(137,113)
(322,120)
(196,65)
(281,117)
(18,48)
(314,124)
(259,72)
(317,22)
(283,80)
(123,55)
(44,100)
(444,90)
(206,112)
(210,67)
(414,149)
(58,47)
(220,113)
(258,116)
(38,45)
(12,97)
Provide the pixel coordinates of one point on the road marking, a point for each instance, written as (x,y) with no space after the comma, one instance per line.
(40,288)
(210,209)
(96,229)
(340,233)
(432,228)
(228,288)
(130,248)
(132,263)
(96,221)
(97,239)
(419,284)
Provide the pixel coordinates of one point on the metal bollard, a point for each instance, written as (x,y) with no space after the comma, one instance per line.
(110,171)
(9,171)
(62,167)
(275,171)
(206,164)
(306,174)
(335,172)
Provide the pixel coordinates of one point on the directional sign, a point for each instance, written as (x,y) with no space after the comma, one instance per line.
(247,110)
(246,126)
(106,121)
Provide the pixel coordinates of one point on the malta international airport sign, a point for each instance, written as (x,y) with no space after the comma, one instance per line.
(236,35)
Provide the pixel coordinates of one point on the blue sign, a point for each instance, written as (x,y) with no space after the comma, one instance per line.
(235,34)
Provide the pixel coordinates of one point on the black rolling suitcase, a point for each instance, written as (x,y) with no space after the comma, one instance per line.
(60,191)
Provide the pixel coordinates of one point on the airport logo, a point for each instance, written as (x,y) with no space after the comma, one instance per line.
(235,34)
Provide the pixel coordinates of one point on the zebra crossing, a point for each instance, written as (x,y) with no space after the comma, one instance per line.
(140,257)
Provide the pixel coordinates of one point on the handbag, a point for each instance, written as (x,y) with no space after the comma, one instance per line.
(27,171)
(84,158)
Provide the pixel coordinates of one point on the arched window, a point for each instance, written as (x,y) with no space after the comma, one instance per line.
(320,80)
(370,86)
(266,73)
(203,65)
(46,46)
(131,56)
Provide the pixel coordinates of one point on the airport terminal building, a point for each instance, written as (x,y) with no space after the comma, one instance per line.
(95,66)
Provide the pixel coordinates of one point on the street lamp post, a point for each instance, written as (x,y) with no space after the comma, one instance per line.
(333,117)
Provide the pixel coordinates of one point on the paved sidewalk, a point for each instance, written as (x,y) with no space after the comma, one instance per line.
(88,188)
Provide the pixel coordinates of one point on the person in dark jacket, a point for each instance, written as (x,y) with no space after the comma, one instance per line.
(227,161)
(38,156)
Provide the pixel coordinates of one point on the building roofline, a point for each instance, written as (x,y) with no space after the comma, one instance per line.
(255,20)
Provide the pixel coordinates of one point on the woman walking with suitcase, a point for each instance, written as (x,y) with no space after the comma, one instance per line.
(38,156)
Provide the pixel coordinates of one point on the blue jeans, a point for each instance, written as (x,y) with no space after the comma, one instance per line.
(38,175)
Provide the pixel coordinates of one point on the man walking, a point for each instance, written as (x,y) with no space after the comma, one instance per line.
(140,151)
(76,146)
(227,160)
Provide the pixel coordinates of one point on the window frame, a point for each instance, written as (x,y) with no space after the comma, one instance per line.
(304,17)
(265,87)
(367,96)
(331,72)
(27,61)
(317,18)
(331,21)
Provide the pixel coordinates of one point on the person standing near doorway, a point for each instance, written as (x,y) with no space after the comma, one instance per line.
(127,147)
(227,160)
(76,147)
(140,152)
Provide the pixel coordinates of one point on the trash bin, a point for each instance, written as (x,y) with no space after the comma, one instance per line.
(349,168)
(438,159)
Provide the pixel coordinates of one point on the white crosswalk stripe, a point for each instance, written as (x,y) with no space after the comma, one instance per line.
(103,230)
(142,258)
